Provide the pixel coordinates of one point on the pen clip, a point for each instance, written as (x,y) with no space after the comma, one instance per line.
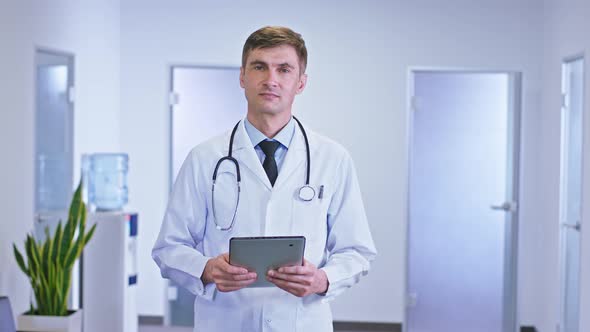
(321,194)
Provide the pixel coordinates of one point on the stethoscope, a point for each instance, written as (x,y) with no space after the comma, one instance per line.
(306,192)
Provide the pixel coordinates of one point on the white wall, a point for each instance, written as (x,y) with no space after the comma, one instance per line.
(90,30)
(360,52)
(566,27)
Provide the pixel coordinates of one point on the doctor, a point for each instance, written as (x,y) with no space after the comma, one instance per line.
(293,182)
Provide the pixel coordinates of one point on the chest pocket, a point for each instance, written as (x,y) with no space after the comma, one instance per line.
(310,220)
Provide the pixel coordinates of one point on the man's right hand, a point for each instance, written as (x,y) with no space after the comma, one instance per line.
(227,278)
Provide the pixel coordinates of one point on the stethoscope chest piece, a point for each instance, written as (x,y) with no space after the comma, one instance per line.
(306,193)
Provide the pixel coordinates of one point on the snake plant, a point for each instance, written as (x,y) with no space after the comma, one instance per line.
(49,262)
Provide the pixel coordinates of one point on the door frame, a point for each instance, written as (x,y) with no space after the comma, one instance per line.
(510,304)
(562,234)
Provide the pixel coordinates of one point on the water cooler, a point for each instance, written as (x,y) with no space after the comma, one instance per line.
(109,261)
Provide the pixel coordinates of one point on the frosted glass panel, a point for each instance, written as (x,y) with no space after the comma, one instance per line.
(210,102)
(53,162)
(458,169)
(571,193)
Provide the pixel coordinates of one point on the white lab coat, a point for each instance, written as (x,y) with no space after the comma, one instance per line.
(338,239)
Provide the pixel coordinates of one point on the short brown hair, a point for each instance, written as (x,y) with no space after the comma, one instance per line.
(273,36)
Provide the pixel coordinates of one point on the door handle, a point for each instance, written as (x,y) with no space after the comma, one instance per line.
(42,217)
(577,226)
(506,207)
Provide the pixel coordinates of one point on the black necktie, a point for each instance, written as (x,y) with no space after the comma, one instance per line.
(270,164)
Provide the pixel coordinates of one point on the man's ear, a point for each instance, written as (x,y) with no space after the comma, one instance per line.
(302,83)
(242,77)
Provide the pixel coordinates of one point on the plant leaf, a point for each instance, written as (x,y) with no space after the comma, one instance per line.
(89,234)
(20,261)
(46,252)
(75,251)
(75,207)
(57,243)
(66,287)
(30,247)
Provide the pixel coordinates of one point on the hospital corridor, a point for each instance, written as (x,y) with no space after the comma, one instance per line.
(307,166)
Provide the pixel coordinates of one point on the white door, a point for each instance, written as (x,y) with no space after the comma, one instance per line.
(462,202)
(206,102)
(571,192)
(54,145)
(54,130)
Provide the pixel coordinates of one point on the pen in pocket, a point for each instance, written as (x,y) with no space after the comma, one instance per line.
(321,194)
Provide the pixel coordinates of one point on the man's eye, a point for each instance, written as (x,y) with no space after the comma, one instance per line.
(258,67)
(285,70)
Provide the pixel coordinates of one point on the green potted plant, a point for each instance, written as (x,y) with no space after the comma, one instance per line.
(49,269)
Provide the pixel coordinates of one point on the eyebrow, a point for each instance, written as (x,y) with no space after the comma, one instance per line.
(286,64)
(259,62)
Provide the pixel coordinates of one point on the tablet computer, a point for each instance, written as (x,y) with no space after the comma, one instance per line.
(260,254)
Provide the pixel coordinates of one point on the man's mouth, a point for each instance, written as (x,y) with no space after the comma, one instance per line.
(269,95)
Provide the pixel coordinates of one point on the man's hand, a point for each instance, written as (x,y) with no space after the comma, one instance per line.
(227,277)
(299,280)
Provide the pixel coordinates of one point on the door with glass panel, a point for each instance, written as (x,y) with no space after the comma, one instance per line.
(205,102)
(571,192)
(462,211)
(54,130)
(54,144)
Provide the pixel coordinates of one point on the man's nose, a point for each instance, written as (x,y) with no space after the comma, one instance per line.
(271,79)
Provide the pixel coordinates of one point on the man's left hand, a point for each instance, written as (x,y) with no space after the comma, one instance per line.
(300,280)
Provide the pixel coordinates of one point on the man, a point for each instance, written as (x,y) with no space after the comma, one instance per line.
(271,150)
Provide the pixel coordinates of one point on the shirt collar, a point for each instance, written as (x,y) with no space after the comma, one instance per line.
(284,136)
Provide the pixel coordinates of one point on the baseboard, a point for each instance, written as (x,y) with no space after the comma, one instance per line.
(151,320)
(365,326)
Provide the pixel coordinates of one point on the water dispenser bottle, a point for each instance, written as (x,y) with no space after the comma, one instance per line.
(105,177)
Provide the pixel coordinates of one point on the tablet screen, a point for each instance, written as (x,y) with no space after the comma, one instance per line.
(260,254)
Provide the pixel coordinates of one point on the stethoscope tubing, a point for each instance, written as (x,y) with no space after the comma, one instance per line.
(229,157)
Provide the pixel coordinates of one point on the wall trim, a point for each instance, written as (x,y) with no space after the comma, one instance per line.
(339,325)
(150,320)
(369,327)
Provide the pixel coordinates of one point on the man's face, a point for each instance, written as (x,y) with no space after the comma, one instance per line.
(271,78)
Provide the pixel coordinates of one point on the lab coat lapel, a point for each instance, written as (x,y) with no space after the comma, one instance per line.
(296,155)
(244,152)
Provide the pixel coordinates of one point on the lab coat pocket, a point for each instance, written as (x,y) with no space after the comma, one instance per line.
(313,315)
(310,220)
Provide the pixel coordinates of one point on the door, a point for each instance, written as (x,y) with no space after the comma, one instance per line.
(54,143)
(205,102)
(54,132)
(571,192)
(462,202)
